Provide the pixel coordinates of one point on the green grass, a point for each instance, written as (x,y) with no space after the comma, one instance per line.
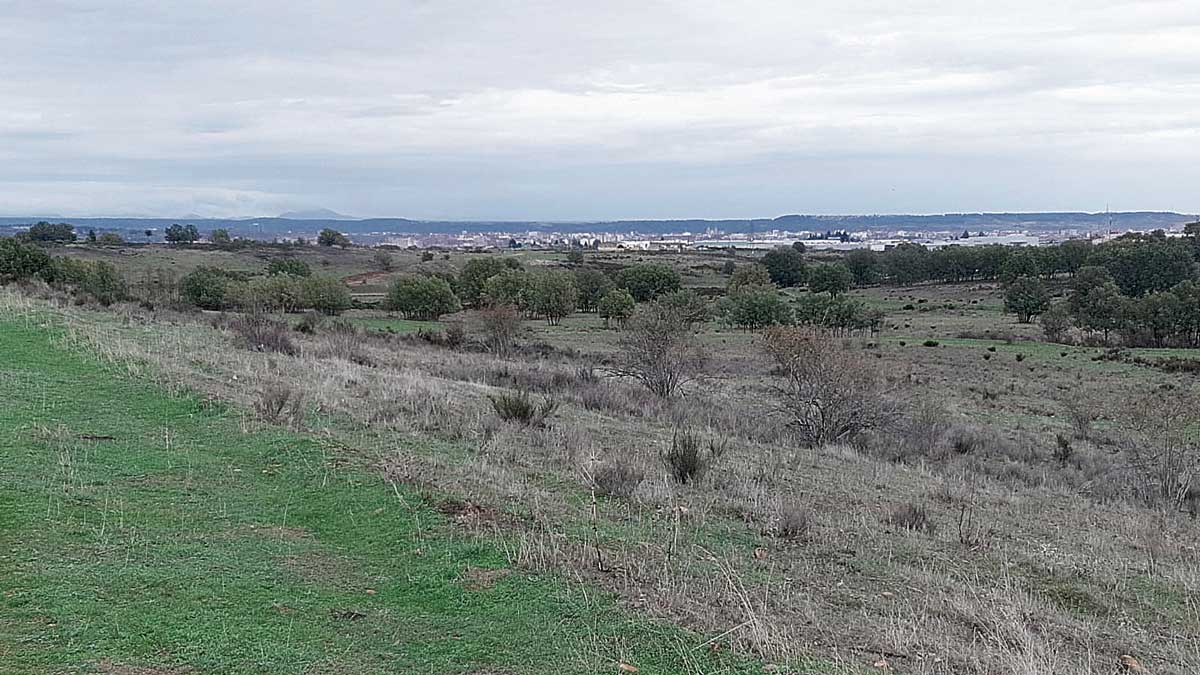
(153,531)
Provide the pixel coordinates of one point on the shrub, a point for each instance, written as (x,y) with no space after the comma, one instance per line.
(831,394)
(930,343)
(1062,449)
(755,307)
(750,275)
(785,266)
(262,334)
(521,408)
(690,456)
(616,479)
(832,278)
(310,323)
(912,517)
(1056,323)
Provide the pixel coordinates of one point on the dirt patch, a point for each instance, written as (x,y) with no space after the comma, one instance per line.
(482,578)
(319,567)
(366,278)
(470,514)
(108,666)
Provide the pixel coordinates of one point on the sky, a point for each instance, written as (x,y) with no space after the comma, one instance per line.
(571,110)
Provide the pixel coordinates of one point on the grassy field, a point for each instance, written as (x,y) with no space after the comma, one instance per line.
(157,532)
(1035,551)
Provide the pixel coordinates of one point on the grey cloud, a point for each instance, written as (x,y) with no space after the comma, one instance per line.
(541,109)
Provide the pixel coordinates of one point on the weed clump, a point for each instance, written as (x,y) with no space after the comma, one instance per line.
(617,479)
(279,403)
(522,409)
(911,517)
(262,334)
(690,456)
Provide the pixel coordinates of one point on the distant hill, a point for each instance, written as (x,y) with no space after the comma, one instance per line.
(315,214)
(267,228)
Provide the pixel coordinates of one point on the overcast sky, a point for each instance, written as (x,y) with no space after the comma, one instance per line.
(566,109)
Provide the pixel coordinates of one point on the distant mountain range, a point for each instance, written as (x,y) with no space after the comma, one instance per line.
(309,222)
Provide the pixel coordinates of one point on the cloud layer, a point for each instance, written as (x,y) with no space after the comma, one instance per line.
(572,110)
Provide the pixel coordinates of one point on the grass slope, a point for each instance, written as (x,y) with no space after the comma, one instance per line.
(139,530)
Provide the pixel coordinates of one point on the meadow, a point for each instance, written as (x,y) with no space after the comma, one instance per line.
(232,511)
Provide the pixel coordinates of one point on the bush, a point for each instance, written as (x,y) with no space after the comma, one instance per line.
(616,480)
(930,343)
(331,237)
(785,266)
(690,456)
(521,409)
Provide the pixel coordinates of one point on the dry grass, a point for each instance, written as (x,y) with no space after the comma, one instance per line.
(783,550)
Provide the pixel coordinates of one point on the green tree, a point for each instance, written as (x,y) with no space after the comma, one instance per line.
(1021,263)
(220,237)
(906,264)
(51,232)
(182,234)
(688,305)
(1056,322)
(330,237)
(509,288)
(864,266)
(647,281)
(755,307)
(831,278)
(748,275)
(1144,264)
(616,306)
(1026,297)
(289,266)
(474,276)
(1074,254)
(592,285)
(553,295)
(424,298)
(785,265)
(1095,302)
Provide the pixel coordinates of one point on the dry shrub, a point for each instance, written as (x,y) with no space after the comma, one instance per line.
(310,323)
(279,403)
(830,394)
(1082,411)
(691,456)
(499,326)
(926,427)
(617,479)
(262,334)
(911,517)
(794,522)
(1163,449)
(521,408)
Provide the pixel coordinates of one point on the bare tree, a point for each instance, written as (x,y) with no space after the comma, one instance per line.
(660,350)
(830,393)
